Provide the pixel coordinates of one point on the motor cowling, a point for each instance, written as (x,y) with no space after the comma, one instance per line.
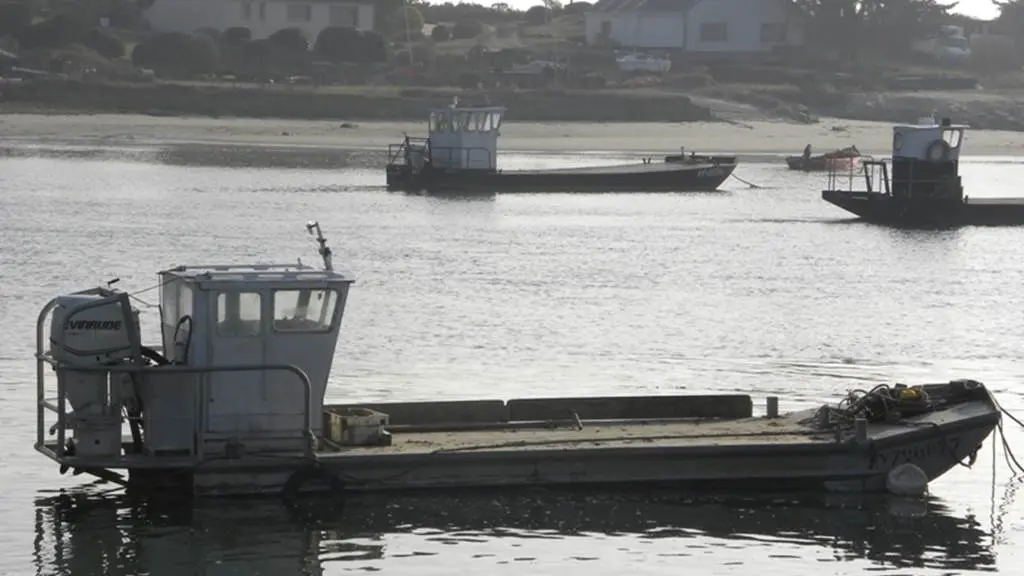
(102,333)
(92,330)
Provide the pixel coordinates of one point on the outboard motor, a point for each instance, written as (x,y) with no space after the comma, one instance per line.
(89,330)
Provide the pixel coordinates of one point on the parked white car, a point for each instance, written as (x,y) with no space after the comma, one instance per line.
(643,63)
(948,45)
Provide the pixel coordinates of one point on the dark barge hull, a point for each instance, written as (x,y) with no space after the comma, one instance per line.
(669,176)
(885,209)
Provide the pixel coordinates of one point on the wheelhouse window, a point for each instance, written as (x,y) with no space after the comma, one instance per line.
(304,310)
(169,301)
(952,137)
(239,314)
(439,122)
(185,306)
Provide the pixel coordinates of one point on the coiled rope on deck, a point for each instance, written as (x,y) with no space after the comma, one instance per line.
(879,404)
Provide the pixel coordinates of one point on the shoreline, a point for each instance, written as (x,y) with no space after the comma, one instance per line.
(761,139)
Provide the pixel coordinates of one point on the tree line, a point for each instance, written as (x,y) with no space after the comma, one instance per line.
(854,28)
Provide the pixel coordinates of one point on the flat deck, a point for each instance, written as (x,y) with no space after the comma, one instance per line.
(994,201)
(591,440)
(782,430)
(634,168)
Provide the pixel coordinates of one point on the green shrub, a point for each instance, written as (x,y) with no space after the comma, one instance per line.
(289,40)
(62,30)
(467,29)
(177,54)
(440,33)
(15,18)
(237,35)
(344,44)
(537,15)
(104,44)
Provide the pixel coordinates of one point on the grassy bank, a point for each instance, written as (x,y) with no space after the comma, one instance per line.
(346,103)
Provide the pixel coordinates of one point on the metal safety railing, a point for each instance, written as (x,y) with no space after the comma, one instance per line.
(59,406)
(440,156)
(846,175)
(875,174)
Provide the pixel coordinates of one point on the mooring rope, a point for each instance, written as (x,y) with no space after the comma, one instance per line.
(1011,460)
(748,183)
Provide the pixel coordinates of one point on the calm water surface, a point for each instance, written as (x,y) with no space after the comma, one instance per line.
(765,290)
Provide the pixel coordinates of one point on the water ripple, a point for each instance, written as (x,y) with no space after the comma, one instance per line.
(753,291)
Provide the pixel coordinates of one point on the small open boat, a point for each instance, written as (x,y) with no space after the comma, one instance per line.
(841,159)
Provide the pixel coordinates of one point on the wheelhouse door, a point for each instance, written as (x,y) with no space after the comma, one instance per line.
(238,337)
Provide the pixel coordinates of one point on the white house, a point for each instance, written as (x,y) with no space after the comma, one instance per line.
(696,25)
(262,17)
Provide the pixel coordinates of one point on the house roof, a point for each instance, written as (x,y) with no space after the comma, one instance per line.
(644,5)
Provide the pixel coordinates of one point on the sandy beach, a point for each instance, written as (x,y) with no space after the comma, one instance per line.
(749,139)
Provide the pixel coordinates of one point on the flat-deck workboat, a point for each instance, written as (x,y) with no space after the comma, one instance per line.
(925,190)
(233,403)
(459,156)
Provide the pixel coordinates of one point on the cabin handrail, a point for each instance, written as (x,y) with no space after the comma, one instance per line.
(394,150)
(871,168)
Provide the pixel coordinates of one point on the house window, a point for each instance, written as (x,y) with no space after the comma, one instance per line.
(300,12)
(773,33)
(713,32)
(246,10)
(263,11)
(342,15)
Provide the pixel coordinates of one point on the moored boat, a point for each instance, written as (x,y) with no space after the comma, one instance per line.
(196,424)
(841,159)
(925,189)
(460,156)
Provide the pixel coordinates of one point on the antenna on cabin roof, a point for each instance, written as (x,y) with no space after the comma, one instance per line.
(324,250)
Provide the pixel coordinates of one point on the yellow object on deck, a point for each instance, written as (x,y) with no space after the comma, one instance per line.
(910,394)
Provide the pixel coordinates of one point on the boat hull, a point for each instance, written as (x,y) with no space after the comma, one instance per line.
(901,212)
(837,469)
(669,176)
(429,449)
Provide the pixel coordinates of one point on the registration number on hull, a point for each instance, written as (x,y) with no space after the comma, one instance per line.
(712,172)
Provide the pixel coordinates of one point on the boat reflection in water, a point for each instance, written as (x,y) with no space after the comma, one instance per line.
(90,535)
